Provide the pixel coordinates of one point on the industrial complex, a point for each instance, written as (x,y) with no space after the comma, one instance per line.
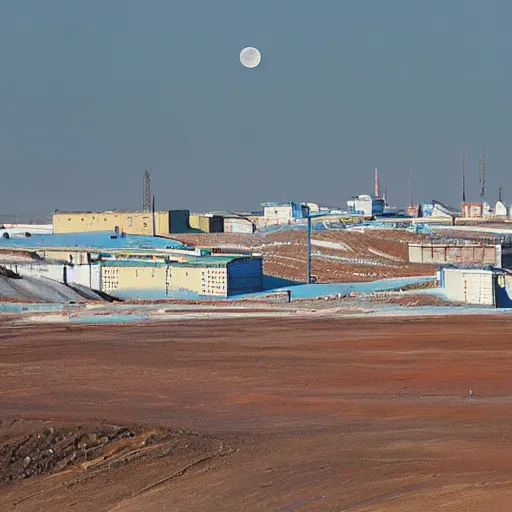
(146,254)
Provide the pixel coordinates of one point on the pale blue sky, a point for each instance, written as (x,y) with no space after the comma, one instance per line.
(93,92)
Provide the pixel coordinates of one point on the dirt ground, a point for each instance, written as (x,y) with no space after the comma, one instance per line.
(348,256)
(256,415)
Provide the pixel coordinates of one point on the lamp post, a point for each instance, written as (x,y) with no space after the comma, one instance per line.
(310,216)
(308,271)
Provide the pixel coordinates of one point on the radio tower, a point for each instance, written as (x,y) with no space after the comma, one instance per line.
(482,173)
(464,175)
(146,197)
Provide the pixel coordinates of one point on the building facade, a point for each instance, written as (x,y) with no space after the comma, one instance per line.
(499,255)
(214,276)
(482,287)
(472,210)
(160,223)
(282,213)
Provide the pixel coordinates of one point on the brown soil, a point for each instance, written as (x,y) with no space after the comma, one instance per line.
(278,415)
(412,300)
(285,253)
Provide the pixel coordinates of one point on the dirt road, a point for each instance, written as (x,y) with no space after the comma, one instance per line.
(260,414)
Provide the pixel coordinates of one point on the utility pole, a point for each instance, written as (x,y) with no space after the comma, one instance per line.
(464,174)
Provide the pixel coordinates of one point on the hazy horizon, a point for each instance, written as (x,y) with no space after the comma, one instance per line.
(93,93)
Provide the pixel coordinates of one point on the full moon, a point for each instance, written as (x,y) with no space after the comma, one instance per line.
(250,57)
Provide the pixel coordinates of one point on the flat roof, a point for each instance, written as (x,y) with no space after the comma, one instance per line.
(199,261)
(97,240)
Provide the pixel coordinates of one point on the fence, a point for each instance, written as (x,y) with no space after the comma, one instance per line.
(25,218)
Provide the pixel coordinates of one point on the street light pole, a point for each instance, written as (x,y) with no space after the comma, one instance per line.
(308,279)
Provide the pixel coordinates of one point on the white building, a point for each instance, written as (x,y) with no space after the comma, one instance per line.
(366,205)
(282,213)
(500,210)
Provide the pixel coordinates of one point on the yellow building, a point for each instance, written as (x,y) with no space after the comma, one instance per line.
(160,223)
(219,276)
(207,222)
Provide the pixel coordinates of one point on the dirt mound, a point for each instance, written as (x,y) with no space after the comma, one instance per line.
(54,449)
(412,300)
(5,272)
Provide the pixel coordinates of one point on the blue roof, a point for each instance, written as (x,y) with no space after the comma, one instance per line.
(93,240)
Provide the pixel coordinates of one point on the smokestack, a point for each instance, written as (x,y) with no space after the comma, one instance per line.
(377,191)
(464,175)
(410,188)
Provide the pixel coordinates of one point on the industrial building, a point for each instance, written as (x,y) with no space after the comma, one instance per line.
(366,205)
(158,223)
(236,224)
(485,287)
(283,213)
(462,253)
(127,266)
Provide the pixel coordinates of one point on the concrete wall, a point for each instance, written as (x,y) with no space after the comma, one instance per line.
(463,254)
(117,278)
(47,270)
(469,286)
(164,280)
(237,226)
(78,257)
(133,223)
(84,275)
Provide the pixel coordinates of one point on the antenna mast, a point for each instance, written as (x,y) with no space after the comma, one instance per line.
(410,188)
(482,173)
(146,192)
(464,175)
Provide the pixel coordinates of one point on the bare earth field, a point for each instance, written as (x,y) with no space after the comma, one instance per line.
(258,414)
(338,256)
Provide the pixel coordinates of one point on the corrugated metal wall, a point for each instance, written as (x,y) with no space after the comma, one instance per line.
(245,276)
(439,253)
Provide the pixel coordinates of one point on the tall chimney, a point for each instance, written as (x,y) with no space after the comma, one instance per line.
(377,191)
